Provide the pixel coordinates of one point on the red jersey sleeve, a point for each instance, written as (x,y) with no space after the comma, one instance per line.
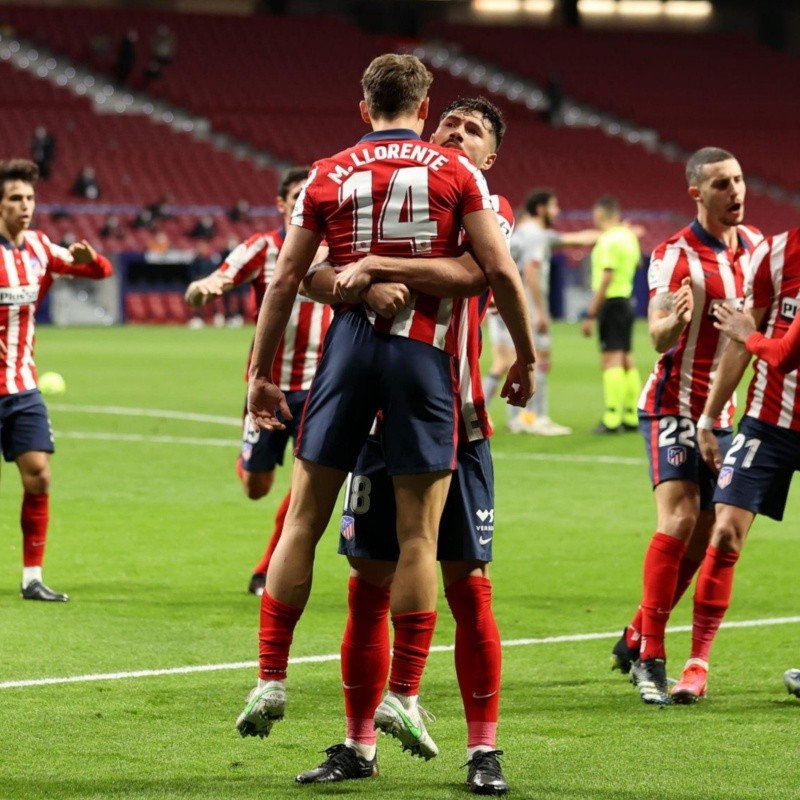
(246,260)
(784,353)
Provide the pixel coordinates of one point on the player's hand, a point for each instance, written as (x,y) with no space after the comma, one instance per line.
(543,323)
(264,399)
(520,384)
(387,299)
(352,281)
(683,302)
(587,326)
(82,252)
(203,291)
(709,449)
(736,324)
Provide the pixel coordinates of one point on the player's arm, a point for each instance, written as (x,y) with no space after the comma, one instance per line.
(533,280)
(490,248)
(439,277)
(204,290)
(783,353)
(729,372)
(668,314)
(585,238)
(294,259)
(385,299)
(596,303)
(79,260)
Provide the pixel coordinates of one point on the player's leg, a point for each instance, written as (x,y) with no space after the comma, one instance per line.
(503,356)
(613,372)
(538,419)
(365,653)
(755,478)
(633,389)
(289,576)
(262,452)
(27,439)
(367,537)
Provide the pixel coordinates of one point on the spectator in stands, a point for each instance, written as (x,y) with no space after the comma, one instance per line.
(204,228)
(240,212)
(152,72)
(112,228)
(159,209)
(68,239)
(159,242)
(143,220)
(43,150)
(126,57)
(163,46)
(86,184)
(554,114)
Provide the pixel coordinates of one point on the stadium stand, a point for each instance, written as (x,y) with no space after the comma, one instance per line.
(248,77)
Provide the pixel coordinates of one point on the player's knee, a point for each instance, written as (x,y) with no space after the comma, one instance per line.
(37,481)
(257,484)
(681,524)
(728,536)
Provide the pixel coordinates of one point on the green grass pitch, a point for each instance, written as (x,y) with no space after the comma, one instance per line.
(154,539)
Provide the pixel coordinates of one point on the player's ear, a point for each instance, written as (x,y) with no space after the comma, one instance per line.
(489,161)
(362,107)
(694,192)
(424,108)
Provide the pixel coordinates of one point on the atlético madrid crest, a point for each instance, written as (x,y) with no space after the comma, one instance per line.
(725,477)
(348,528)
(676,456)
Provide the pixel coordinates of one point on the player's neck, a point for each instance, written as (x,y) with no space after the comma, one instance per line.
(409,122)
(727,234)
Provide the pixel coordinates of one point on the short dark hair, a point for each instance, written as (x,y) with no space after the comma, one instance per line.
(17,169)
(608,203)
(488,110)
(538,197)
(289,178)
(395,84)
(699,159)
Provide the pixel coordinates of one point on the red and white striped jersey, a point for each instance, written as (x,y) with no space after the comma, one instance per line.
(680,380)
(300,349)
(25,275)
(774,284)
(395,195)
(468,315)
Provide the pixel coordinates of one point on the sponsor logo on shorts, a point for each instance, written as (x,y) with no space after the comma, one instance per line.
(348,529)
(486,518)
(484,540)
(247,452)
(676,456)
(725,477)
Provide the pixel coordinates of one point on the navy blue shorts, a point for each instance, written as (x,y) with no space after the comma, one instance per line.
(673,455)
(758,468)
(262,450)
(466,530)
(362,371)
(24,425)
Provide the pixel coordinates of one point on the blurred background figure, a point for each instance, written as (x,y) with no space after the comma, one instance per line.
(240,212)
(86,184)
(43,150)
(112,228)
(126,57)
(204,228)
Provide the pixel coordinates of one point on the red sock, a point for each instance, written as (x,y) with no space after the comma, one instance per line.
(661,565)
(280,517)
(240,469)
(413,633)
(478,657)
(686,571)
(275,633)
(34,519)
(365,657)
(712,596)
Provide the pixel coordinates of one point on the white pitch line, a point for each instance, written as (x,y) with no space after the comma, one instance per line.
(121,411)
(148,439)
(573,637)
